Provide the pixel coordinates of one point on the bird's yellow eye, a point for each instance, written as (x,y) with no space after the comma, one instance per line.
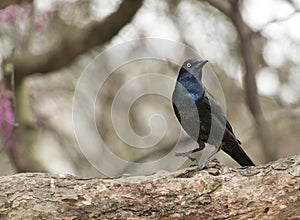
(188,65)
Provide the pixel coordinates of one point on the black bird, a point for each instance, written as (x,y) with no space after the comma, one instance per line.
(202,118)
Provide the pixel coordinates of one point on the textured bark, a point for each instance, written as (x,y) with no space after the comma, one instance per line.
(271,191)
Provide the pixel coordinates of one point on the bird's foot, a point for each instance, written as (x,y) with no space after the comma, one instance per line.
(186,154)
(213,167)
(201,166)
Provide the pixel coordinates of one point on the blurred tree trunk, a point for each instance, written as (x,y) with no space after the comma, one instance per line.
(5,3)
(267,192)
(73,43)
(22,153)
(251,65)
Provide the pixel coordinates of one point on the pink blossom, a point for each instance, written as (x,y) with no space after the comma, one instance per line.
(7,118)
(39,26)
(14,14)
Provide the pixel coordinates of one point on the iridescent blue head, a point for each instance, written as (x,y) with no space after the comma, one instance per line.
(190,76)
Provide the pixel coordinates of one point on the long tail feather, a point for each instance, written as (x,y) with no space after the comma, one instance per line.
(237,153)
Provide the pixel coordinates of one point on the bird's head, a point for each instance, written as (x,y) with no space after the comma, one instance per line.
(194,67)
(190,76)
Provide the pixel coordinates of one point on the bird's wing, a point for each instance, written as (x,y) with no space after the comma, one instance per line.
(176,112)
(211,103)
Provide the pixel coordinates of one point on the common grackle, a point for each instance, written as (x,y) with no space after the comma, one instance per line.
(202,118)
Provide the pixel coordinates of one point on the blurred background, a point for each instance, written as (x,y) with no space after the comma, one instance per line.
(252,47)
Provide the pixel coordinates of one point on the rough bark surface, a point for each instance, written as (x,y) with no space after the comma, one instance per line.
(271,191)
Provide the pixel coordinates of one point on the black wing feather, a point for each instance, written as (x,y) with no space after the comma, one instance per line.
(177,113)
(209,100)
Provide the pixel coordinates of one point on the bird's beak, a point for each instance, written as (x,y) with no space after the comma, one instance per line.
(201,64)
(198,68)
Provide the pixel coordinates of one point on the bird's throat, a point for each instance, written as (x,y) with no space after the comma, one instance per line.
(194,88)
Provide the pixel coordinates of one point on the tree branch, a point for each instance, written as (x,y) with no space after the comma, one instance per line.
(251,66)
(268,192)
(222,6)
(5,3)
(75,42)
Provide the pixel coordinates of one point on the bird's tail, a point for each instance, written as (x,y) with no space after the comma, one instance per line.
(234,150)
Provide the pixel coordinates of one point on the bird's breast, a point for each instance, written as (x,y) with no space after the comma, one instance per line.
(187,112)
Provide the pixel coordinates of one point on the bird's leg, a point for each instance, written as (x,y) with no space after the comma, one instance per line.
(207,155)
(188,153)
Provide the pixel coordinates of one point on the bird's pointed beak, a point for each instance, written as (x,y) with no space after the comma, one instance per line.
(199,67)
(203,62)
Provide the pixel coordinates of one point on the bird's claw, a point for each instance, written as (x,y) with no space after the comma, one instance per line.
(213,167)
(186,154)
